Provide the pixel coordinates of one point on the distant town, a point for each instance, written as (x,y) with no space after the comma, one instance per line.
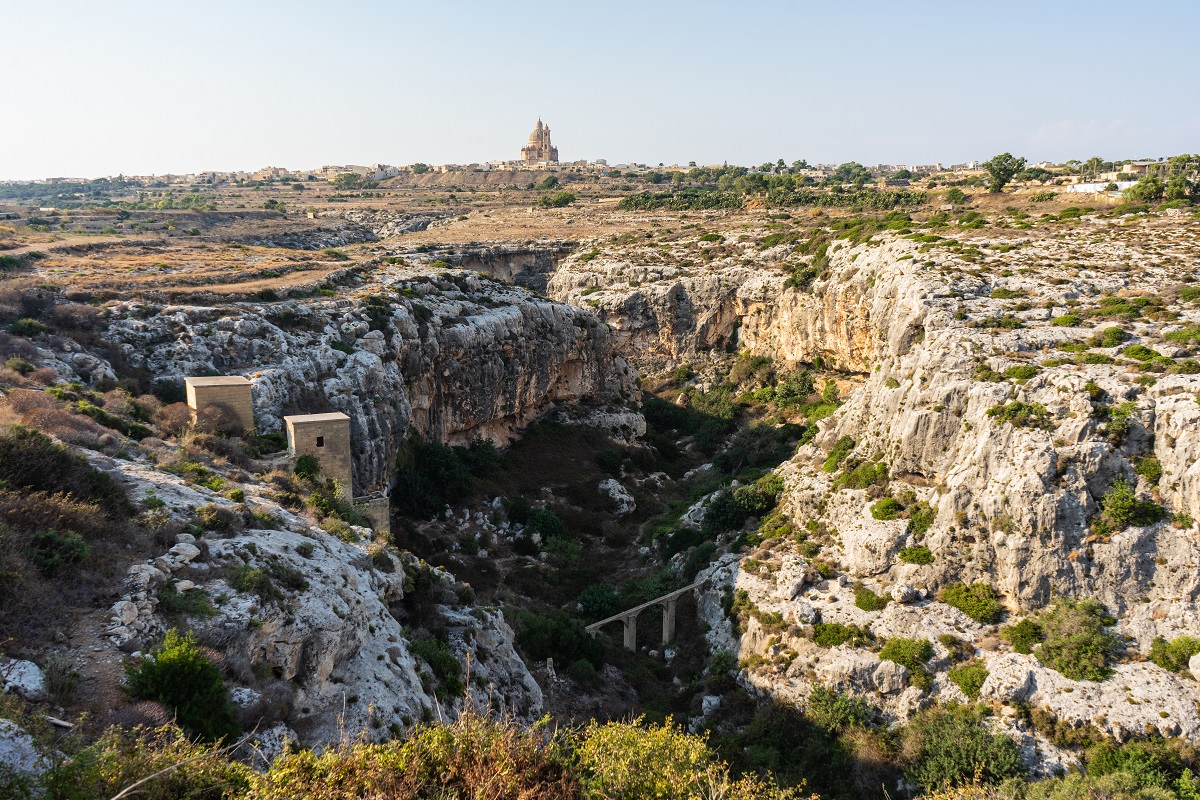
(539,154)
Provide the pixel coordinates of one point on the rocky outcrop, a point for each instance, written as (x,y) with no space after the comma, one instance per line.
(324,618)
(1011,491)
(451,357)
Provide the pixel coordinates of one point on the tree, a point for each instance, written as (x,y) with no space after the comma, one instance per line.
(419,168)
(1147,190)
(1002,168)
(956,196)
(348,180)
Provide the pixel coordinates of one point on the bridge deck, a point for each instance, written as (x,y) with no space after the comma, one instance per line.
(638,609)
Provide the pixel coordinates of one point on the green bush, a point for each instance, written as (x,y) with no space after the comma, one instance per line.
(556,200)
(837,454)
(599,601)
(1075,640)
(1068,321)
(1120,508)
(834,711)
(916,555)
(863,476)
(949,746)
(886,509)
(832,634)
(1175,654)
(559,637)
(969,677)
(1111,337)
(1140,352)
(429,476)
(920,516)
(50,550)
(867,600)
(182,678)
(120,758)
(909,653)
(979,601)
(307,466)
(1021,372)
(1021,415)
(31,460)
(1149,468)
(446,669)
(1024,635)
(27,327)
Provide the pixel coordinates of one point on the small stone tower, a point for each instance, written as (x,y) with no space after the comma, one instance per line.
(326,436)
(230,392)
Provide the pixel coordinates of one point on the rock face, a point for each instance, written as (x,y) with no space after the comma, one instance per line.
(1009,500)
(666,313)
(18,755)
(452,358)
(329,621)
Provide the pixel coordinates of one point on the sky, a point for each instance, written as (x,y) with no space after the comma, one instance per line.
(133,87)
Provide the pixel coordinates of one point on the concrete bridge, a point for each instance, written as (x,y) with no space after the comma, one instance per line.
(629,618)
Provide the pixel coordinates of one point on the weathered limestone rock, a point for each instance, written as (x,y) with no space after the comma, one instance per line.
(622,500)
(23,678)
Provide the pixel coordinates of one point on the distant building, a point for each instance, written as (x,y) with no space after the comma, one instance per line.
(539,148)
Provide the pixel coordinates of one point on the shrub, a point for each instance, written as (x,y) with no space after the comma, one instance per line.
(1140,352)
(119,758)
(867,600)
(1111,337)
(863,476)
(950,746)
(1021,372)
(32,461)
(841,448)
(832,634)
(182,678)
(1024,635)
(886,509)
(916,555)
(1068,321)
(920,516)
(474,756)
(429,476)
(834,711)
(909,653)
(1075,641)
(556,200)
(1149,468)
(50,550)
(979,601)
(969,677)
(27,327)
(446,669)
(599,601)
(1120,508)
(1021,415)
(559,637)
(307,466)
(633,760)
(1174,655)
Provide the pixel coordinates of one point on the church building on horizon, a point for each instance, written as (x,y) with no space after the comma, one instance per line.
(539,149)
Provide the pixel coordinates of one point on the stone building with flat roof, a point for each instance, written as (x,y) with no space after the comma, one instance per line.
(232,393)
(327,437)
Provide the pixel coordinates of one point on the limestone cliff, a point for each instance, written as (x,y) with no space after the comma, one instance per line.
(453,355)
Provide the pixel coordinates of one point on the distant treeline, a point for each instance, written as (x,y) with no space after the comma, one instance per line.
(860,199)
(698,199)
(682,200)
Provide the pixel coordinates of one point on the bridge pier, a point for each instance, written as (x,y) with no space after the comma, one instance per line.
(668,629)
(630,623)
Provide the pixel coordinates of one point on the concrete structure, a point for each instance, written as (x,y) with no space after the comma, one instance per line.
(230,392)
(629,618)
(539,147)
(327,437)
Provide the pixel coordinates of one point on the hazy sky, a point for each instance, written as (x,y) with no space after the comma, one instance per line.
(138,87)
